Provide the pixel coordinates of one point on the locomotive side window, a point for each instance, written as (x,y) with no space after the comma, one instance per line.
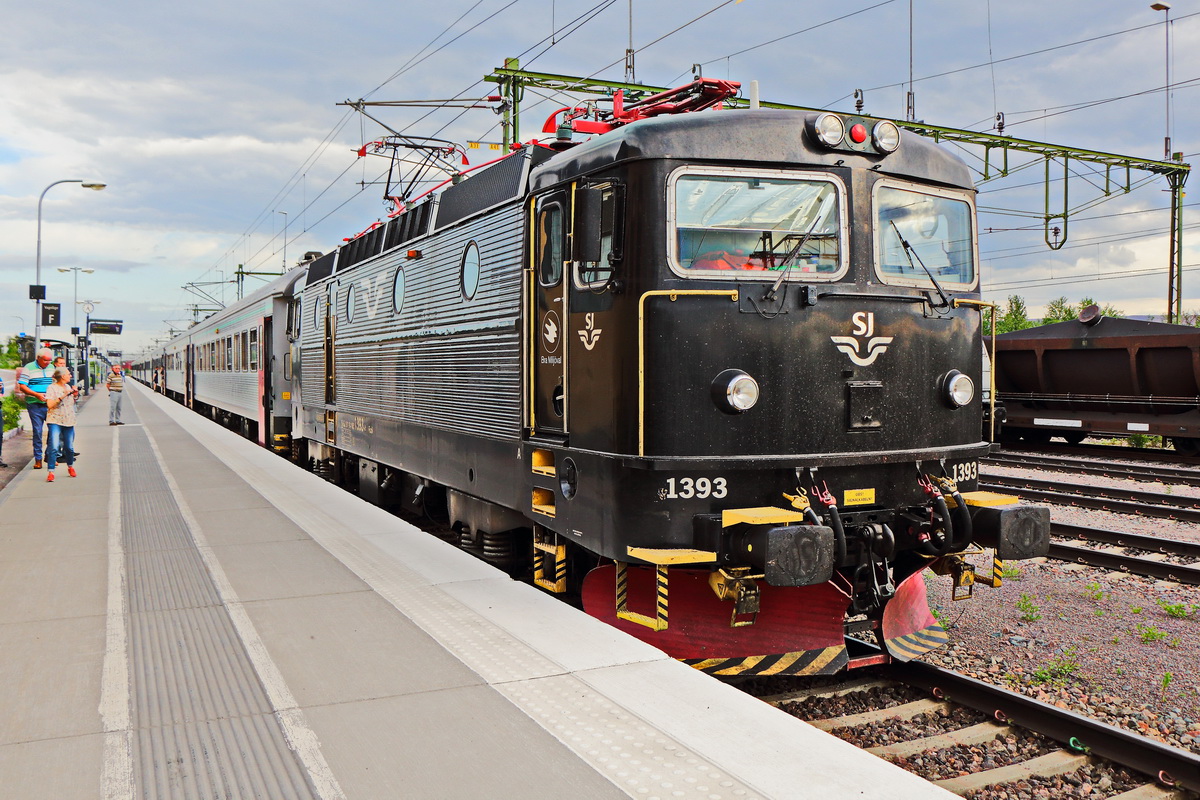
(398,291)
(550,244)
(470,271)
(918,233)
(350,303)
(757,225)
(595,274)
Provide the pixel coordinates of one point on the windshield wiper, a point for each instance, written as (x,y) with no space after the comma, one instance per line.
(770,295)
(910,253)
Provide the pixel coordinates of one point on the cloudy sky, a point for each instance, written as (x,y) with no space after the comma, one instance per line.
(216,124)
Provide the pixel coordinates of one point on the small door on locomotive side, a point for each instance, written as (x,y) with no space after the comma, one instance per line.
(548,250)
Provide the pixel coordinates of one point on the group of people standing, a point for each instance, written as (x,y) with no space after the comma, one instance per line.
(50,398)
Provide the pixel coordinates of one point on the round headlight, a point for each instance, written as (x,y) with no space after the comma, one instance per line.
(959,389)
(886,136)
(733,391)
(829,129)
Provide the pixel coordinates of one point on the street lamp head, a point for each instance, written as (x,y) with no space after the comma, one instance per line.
(88,270)
(1161,6)
(94,185)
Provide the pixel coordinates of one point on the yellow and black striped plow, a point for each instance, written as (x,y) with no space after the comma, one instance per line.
(825,661)
(659,621)
(918,643)
(545,547)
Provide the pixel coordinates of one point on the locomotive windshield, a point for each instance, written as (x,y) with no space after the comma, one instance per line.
(757,223)
(918,234)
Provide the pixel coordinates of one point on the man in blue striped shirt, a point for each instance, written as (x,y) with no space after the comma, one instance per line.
(35,379)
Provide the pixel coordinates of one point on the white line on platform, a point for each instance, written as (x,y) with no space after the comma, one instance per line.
(300,736)
(117,778)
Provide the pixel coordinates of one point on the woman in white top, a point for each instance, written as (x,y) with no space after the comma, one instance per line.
(60,400)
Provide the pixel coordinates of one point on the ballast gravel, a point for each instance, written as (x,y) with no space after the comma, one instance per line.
(1117,647)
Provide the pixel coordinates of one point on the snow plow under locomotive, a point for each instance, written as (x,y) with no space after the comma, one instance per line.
(713,372)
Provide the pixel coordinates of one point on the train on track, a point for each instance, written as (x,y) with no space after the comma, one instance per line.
(710,372)
(1100,375)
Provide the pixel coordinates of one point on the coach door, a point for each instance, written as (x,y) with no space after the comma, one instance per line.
(547,345)
(330,372)
(189,375)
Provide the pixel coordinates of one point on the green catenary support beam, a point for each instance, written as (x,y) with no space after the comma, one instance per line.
(513,81)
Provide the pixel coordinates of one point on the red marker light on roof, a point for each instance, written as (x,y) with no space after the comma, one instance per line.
(858,133)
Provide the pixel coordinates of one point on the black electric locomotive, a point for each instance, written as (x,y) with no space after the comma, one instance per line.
(714,372)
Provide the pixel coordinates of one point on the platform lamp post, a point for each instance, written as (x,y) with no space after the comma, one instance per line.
(88,307)
(39,292)
(75,312)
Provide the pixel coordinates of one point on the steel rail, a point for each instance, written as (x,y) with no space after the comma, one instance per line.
(1140,541)
(1105,492)
(1105,450)
(1142,508)
(1110,469)
(1119,562)
(1171,766)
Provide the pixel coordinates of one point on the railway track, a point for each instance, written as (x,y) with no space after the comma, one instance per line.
(967,716)
(1104,451)
(1180,476)
(1186,569)
(1125,501)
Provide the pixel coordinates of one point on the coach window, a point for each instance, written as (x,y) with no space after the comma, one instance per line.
(229,353)
(550,244)
(470,270)
(398,291)
(919,234)
(730,224)
(254,349)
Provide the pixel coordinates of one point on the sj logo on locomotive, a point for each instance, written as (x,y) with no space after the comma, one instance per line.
(864,346)
(590,334)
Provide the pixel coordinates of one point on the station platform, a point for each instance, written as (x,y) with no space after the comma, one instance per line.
(194,617)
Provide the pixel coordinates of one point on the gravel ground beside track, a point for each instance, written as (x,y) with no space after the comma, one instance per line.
(1095,642)
(1120,648)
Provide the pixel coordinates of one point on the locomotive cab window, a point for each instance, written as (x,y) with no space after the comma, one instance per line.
(923,233)
(756,225)
(549,234)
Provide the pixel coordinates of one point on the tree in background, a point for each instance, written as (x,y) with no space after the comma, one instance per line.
(10,356)
(1013,317)
(1060,309)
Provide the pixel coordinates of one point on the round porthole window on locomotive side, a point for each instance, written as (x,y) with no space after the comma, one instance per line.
(470,270)
(398,291)
(350,303)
